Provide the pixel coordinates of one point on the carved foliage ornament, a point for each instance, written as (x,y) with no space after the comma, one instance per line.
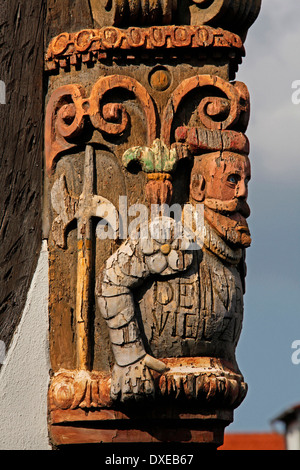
(204,380)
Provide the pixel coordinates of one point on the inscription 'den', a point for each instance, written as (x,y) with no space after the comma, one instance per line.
(183,322)
(146,109)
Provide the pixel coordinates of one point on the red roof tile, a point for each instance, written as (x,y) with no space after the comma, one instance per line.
(254,441)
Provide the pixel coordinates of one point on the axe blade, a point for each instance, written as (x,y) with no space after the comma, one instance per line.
(66,208)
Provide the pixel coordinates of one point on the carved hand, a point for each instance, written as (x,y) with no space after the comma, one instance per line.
(135,381)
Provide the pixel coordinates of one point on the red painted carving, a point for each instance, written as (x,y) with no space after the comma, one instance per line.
(64,120)
(164,320)
(198,139)
(91,45)
(68,108)
(215,112)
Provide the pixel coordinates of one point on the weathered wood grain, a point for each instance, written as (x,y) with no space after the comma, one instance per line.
(24,26)
(67,15)
(21,138)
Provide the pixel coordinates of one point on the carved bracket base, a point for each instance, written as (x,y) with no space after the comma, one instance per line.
(168,425)
(194,403)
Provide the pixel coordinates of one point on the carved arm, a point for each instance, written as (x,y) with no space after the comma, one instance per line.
(127,268)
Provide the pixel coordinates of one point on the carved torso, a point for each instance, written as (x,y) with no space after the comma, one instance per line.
(197,314)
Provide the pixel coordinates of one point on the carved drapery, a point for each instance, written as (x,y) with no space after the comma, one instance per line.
(149,114)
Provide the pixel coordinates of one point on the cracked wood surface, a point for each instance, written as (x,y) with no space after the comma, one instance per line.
(21,137)
(67,15)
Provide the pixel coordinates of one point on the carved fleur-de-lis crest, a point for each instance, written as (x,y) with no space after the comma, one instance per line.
(158,162)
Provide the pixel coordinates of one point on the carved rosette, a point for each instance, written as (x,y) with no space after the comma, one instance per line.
(79,389)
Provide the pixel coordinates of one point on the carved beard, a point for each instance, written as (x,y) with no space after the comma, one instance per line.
(228,219)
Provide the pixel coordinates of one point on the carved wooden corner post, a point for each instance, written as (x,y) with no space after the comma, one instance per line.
(146,300)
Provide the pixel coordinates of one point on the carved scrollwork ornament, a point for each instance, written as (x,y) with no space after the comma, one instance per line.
(93,45)
(69,109)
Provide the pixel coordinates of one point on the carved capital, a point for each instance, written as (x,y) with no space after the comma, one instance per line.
(234,15)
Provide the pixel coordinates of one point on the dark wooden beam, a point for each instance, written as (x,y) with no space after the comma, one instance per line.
(67,15)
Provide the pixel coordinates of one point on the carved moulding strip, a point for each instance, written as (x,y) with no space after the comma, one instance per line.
(68,109)
(166,425)
(203,380)
(91,45)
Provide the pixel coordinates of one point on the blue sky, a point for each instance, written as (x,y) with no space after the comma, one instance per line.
(272,312)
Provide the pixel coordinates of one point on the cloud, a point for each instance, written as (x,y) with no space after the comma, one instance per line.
(269,69)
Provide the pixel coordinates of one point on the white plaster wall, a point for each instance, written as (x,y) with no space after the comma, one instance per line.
(24,377)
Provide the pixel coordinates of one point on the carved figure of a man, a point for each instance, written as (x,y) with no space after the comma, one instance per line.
(162,300)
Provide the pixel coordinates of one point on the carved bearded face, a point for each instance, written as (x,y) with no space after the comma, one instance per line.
(220,181)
